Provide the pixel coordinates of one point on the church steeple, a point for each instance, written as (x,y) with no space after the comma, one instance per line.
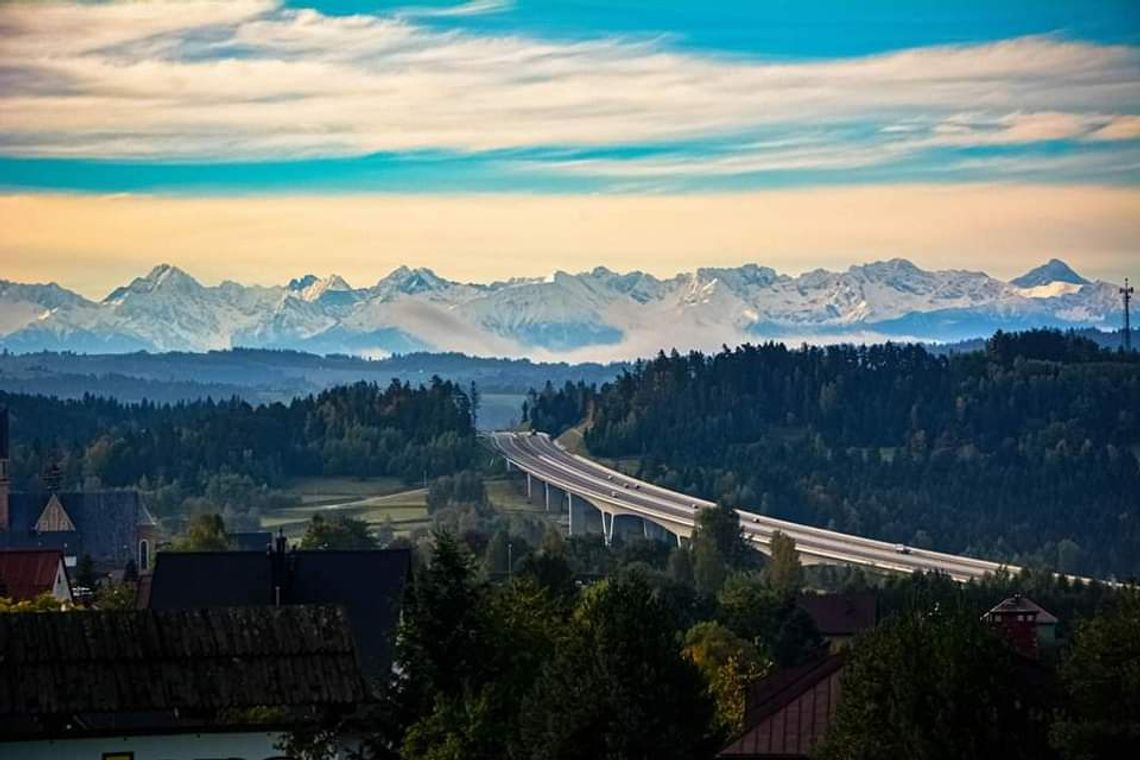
(54,517)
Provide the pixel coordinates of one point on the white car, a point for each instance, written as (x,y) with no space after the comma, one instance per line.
(902,549)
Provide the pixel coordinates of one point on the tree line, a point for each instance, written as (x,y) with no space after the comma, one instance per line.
(233,452)
(647,649)
(1024,452)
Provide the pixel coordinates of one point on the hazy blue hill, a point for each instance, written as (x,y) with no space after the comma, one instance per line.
(1109,340)
(259,375)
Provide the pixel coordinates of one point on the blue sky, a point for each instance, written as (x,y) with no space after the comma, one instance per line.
(782,28)
(238,108)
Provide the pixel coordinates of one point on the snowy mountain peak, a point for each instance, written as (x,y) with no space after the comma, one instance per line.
(594,314)
(891,268)
(739,278)
(411,281)
(164,274)
(164,277)
(298,284)
(1053,271)
(311,288)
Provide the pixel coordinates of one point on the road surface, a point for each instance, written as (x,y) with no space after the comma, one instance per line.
(616,493)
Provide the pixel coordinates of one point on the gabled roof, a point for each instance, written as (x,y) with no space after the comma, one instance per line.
(54,518)
(776,691)
(27,573)
(786,713)
(841,614)
(368,584)
(148,661)
(105,523)
(1022,604)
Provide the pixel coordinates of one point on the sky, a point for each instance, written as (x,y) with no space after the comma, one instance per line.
(258,139)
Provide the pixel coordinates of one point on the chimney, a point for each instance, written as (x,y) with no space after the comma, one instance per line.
(279,572)
(4,482)
(53,478)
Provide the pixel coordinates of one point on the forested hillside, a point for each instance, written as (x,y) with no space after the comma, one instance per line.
(265,376)
(1024,452)
(232,450)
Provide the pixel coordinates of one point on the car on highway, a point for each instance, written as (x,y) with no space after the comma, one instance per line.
(902,549)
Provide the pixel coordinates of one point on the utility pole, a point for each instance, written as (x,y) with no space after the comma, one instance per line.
(1127,292)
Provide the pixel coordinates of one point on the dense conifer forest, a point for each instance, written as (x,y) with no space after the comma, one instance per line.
(1024,452)
(233,450)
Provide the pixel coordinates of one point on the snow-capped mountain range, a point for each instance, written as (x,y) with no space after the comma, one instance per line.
(595,315)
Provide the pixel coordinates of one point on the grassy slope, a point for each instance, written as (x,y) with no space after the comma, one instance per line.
(379,499)
(372,500)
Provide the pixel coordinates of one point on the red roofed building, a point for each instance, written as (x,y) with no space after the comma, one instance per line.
(1025,623)
(786,714)
(27,573)
(841,617)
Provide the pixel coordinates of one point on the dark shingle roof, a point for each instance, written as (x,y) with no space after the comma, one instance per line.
(780,689)
(250,541)
(368,584)
(1022,604)
(148,660)
(841,614)
(106,524)
(27,573)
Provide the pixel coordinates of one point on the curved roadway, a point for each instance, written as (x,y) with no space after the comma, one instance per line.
(618,493)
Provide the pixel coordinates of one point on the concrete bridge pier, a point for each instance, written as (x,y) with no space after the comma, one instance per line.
(546,486)
(652,530)
(608,527)
(528,488)
(580,516)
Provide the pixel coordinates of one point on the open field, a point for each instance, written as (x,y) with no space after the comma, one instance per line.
(334,490)
(374,500)
(509,495)
(378,500)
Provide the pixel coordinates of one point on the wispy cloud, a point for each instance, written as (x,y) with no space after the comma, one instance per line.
(471,8)
(207,79)
(847,146)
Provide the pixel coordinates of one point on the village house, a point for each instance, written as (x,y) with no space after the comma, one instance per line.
(368,584)
(173,684)
(112,527)
(28,573)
